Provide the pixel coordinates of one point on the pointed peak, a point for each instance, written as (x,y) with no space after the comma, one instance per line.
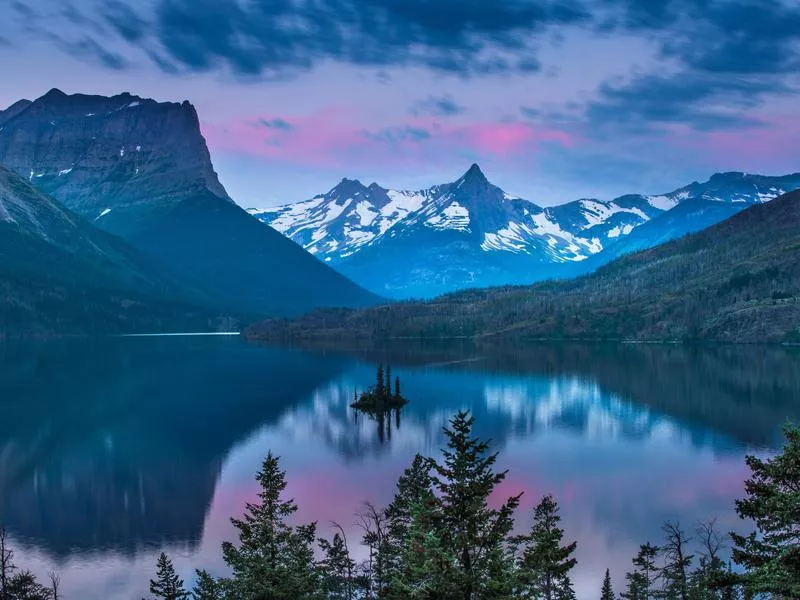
(54,94)
(475,173)
(474,176)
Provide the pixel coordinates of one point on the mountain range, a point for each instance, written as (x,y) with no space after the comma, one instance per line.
(471,233)
(737,281)
(139,172)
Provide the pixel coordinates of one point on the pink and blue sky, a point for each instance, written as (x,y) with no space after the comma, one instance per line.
(555,99)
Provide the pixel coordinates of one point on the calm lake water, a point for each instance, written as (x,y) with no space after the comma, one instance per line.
(111,451)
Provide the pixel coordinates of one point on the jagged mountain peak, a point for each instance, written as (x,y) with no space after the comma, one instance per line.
(470,232)
(473,176)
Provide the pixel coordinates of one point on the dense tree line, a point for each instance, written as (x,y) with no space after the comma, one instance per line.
(441,539)
(737,281)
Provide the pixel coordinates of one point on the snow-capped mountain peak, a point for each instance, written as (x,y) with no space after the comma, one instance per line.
(471,221)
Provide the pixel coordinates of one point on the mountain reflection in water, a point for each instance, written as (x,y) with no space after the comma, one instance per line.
(112,450)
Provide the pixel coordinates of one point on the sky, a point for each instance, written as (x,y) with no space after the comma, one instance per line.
(554,99)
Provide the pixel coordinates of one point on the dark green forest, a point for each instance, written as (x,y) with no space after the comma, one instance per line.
(440,538)
(738,281)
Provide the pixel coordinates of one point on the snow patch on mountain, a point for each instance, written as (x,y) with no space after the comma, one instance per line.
(454,216)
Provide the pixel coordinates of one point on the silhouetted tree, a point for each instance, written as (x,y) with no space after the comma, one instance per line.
(397,387)
(337,569)
(544,566)
(641,582)
(167,584)
(607,591)
(379,382)
(387,391)
(7,567)
(677,561)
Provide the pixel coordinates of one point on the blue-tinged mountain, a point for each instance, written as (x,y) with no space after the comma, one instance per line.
(738,280)
(60,275)
(140,169)
(471,233)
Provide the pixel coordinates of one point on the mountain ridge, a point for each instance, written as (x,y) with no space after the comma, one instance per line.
(737,281)
(141,169)
(471,233)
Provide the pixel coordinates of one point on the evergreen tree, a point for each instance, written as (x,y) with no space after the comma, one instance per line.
(337,569)
(471,531)
(206,587)
(427,569)
(387,391)
(772,555)
(167,584)
(397,388)
(641,582)
(545,564)
(607,592)
(413,488)
(379,382)
(273,560)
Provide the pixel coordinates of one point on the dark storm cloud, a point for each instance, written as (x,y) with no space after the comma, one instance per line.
(125,21)
(461,36)
(728,56)
(437,106)
(89,49)
(648,100)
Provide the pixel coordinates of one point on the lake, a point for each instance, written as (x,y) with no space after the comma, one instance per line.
(112,450)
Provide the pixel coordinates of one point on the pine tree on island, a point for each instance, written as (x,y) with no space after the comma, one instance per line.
(379,399)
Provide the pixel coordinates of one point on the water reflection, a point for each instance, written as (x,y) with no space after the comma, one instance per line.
(112,450)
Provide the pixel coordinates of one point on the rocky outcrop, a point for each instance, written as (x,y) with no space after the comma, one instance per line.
(141,169)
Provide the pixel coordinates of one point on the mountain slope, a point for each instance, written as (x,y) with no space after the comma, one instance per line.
(59,275)
(470,233)
(141,169)
(736,281)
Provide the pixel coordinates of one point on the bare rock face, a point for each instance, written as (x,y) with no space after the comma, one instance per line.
(141,169)
(108,159)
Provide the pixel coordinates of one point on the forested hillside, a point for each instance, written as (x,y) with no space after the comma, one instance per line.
(736,281)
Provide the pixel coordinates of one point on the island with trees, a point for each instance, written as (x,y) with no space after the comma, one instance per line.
(380,398)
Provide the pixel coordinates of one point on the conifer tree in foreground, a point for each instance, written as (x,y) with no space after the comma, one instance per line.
(273,561)
(641,582)
(413,489)
(167,584)
(772,555)
(337,569)
(206,587)
(544,566)
(469,530)
(607,592)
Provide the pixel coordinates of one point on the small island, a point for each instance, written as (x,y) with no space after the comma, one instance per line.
(380,398)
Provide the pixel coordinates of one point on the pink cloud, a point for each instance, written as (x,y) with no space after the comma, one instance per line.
(334,137)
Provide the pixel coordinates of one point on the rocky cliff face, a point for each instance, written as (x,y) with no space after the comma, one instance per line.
(141,169)
(109,159)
